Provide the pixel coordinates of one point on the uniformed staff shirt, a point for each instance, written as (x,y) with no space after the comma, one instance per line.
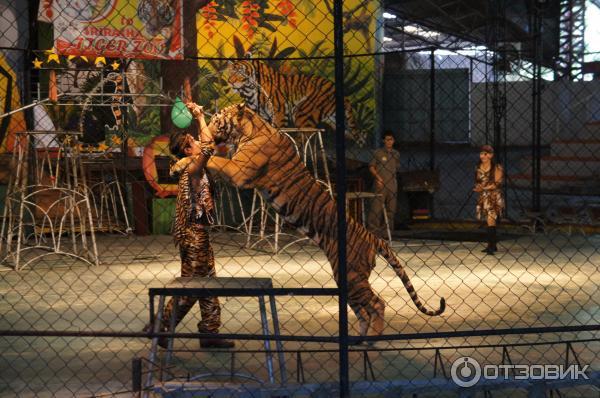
(387,164)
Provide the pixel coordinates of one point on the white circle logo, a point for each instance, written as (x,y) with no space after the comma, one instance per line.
(465,372)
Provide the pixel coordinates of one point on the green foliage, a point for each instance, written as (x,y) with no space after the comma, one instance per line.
(213,89)
(219,65)
(151,69)
(91,82)
(145,126)
(240,52)
(308,7)
(63,116)
(227,9)
(358,79)
(364,117)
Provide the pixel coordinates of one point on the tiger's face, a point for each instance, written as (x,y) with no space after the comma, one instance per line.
(240,74)
(225,125)
(156,15)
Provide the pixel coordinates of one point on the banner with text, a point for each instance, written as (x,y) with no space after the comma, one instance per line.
(116,28)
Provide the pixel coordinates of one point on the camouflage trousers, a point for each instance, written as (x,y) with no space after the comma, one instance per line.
(197,259)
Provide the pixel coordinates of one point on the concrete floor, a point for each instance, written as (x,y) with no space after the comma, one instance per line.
(541,280)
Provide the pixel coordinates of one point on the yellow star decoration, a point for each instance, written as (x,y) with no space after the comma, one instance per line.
(37,64)
(115,65)
(83,57)
(100,60)
(115,140)
(52,56)
(102,147)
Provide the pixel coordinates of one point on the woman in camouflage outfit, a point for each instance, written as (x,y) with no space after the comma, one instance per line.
(490,204)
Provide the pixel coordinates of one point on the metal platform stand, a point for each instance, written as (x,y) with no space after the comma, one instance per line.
(208,287)
(226,193)
(106,195)
(369,195)
(47,204)
(310,148)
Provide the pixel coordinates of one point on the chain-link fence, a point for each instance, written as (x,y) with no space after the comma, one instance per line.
(457,260)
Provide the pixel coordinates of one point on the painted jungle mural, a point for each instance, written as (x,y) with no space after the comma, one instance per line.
(275,55)
(287,75)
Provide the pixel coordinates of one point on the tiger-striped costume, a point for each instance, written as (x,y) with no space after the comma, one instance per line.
(266,160)
(190,232)
(293,100)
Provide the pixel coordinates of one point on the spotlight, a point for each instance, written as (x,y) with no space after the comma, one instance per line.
(387,15)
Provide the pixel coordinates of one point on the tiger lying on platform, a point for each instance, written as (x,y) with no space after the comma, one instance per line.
(287,100)
(266,160)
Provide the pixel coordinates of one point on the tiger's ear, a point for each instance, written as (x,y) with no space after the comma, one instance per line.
(248,55)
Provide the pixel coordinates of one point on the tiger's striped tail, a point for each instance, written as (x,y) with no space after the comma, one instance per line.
(384,249)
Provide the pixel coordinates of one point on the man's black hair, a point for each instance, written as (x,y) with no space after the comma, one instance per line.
(178,143)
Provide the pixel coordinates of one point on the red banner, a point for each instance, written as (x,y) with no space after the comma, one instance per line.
(150,29)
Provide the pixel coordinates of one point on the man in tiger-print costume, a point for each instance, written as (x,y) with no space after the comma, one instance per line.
(194,214)
(266,160)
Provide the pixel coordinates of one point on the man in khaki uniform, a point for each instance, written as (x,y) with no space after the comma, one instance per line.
(384,166)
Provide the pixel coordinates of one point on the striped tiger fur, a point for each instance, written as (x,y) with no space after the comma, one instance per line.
(293,100)
(266,160)
(197,259)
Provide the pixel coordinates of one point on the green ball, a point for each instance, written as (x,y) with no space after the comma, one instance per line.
(180,114)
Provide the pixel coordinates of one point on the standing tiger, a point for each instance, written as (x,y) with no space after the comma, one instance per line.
(266,160)
(294,100)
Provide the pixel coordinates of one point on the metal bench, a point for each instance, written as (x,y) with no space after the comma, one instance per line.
(211,287)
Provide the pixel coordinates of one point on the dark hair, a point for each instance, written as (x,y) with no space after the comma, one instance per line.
(178,144)
(388,133)
(493,164)
(487,148)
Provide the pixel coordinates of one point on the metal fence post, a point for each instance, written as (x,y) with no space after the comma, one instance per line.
(341,193)
(432,110)
(136,377)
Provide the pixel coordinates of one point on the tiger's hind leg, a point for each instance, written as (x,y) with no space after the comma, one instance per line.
(364,319)
(368,307)
(376,308)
